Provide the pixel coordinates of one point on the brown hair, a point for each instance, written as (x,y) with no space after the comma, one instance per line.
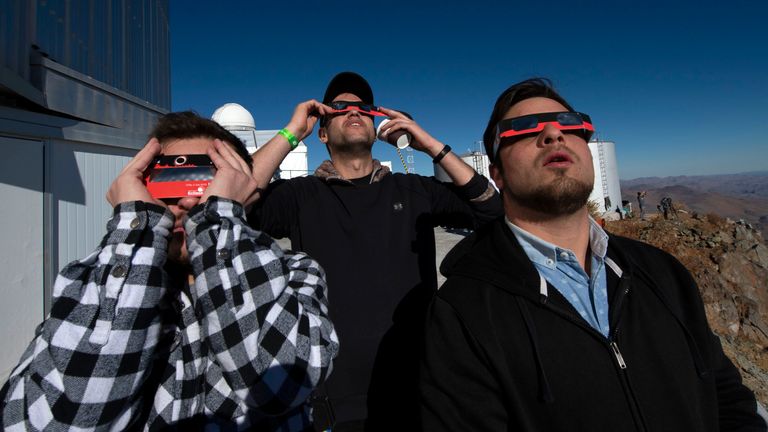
(188,124)
(530,88)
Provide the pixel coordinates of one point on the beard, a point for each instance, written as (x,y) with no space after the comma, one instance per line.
(563,196)
(357,146)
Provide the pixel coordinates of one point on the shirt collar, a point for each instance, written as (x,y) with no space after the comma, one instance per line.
(545,253)
(328,172)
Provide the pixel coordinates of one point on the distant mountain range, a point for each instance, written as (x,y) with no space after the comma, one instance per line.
(736,196)
(746,185)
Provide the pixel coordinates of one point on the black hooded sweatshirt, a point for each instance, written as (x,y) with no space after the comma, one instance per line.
(501,355)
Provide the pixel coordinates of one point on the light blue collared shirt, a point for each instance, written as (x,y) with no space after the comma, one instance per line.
(587,293)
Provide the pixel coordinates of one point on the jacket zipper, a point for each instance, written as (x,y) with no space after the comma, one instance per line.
(618,305)
(617,353)
(612,346)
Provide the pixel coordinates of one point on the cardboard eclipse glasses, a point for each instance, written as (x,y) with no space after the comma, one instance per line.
(179,176)
(514,129)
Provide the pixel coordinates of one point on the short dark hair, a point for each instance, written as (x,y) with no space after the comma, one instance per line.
(188,124)
(530,88)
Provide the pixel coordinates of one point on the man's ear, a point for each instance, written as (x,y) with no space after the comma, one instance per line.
(496,175)
(323,135)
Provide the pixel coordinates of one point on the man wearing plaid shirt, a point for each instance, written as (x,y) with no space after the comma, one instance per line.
(183,318)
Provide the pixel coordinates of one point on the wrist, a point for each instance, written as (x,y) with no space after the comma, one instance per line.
(439,156)
(289,136)
(432,147)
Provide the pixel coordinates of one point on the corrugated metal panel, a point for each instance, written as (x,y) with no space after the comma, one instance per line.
(81,175)
(16,24)
(123,44)
(21,263)
(69,91)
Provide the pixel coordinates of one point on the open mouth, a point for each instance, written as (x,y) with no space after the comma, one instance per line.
(354,123)
(558,159)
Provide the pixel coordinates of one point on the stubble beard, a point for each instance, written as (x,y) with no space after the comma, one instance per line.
(356,146)
(562,196)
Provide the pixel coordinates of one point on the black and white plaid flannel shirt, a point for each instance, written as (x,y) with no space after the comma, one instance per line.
(129,344)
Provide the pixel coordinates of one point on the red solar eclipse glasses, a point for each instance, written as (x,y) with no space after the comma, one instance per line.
(517,128)
(363,108)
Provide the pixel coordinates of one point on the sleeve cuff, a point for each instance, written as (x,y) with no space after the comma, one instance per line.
(131,218)
(212,211)
(475,188)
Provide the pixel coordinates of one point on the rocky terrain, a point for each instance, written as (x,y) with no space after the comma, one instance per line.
(729,261)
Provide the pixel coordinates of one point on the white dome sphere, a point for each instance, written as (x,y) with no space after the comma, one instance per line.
(233,116)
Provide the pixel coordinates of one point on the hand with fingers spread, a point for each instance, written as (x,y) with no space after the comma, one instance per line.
(233,179)
(129,184)
(421,140)
(305,116)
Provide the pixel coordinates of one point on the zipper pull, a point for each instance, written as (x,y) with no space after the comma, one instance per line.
(617,353)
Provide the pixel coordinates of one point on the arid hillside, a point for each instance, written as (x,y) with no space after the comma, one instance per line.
(729,261)
(736,196)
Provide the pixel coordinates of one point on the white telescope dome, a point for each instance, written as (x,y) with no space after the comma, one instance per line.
(234,117)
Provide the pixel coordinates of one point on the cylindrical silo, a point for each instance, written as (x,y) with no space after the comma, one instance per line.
(477,160)
(607,190)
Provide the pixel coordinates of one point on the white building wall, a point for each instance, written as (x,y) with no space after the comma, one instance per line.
(294,165)
(80,175)
(21,260)
(55,172)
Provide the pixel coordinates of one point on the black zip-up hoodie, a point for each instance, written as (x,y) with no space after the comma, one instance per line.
(505,353)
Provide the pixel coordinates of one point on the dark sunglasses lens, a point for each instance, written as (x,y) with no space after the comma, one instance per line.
(338,105)
(569,119)
(523,123)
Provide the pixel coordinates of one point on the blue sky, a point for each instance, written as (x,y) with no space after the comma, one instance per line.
(681,87)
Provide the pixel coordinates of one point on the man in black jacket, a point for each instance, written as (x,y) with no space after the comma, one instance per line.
(546,323)
(372,231)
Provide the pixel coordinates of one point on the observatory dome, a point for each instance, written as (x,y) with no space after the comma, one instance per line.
(234,117)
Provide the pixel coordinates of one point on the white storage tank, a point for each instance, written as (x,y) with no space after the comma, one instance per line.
(477,160)
(607,190)
(239,121)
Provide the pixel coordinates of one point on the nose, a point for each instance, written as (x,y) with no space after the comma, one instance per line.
(551,135)
(182,206)
(187,203)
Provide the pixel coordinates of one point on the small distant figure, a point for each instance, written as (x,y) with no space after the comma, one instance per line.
(641,203)
(621,214)
(667,208)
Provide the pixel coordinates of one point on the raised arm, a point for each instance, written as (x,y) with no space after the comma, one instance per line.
(457,169)
(264,312)
(268,158)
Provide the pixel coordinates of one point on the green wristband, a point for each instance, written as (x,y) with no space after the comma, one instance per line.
(292,140)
